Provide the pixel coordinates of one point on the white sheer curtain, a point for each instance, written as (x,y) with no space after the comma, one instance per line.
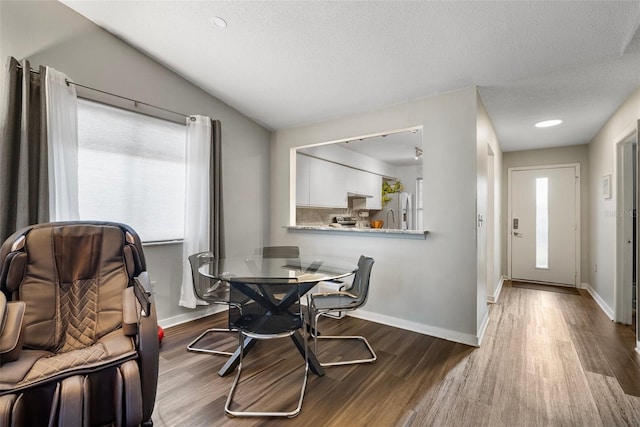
(197,201)
(62,141)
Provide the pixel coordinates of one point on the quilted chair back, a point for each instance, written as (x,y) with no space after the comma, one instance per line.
(87,348)
(71,278)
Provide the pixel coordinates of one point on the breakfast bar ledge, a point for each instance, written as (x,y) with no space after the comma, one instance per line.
(374,232)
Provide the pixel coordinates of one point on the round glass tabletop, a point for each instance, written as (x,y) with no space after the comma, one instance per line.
(258,269)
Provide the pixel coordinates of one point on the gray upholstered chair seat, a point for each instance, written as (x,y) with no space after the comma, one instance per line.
(37,366)
(333,301)
(13,372)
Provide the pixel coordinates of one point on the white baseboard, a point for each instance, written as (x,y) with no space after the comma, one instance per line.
(638,347)
(598,299)
(188,317)
(496,294)
(446,334)
(483,328)
(433,331)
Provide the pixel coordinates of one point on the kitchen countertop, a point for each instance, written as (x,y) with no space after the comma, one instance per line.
(382,232)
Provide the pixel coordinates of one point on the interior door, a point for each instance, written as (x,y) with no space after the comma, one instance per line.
(543,225)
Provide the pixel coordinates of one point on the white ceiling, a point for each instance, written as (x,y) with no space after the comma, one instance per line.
(398,148)
(394,148)
(286,63)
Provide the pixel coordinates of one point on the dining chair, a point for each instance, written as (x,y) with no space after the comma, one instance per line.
(326,303)
(280,252)
(211,291)
(262,311)
(289,254)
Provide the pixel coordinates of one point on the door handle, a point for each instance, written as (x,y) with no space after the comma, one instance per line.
(515,233)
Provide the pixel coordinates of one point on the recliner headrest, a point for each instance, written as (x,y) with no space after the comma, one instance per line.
(12,265)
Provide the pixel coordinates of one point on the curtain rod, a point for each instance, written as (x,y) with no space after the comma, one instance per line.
(69,82)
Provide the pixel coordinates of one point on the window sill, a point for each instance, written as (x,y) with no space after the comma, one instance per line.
(162,242)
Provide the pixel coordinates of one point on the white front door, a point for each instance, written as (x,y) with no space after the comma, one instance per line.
(543,224)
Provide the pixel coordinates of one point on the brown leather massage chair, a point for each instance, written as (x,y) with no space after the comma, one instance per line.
(78,332)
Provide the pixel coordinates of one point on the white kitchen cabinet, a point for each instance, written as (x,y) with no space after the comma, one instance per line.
(375,189)
(302,180)
(367,184)
(327,184)
(353,180)
(321,183)
(363,182)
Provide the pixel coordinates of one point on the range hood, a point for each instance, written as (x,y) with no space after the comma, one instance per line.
(358,195)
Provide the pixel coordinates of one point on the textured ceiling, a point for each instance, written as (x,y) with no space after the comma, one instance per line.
(287,64)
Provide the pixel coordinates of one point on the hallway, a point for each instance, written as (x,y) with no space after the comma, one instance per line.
(548,358)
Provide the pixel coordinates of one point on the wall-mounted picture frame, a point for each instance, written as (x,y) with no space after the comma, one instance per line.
(606,186)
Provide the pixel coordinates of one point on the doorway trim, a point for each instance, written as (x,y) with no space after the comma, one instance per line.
(491,226)
(577,188)
(622,312)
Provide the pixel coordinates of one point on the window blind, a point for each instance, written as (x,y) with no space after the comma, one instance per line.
(131,169)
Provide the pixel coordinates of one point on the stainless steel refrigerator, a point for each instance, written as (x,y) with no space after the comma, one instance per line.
(398,213)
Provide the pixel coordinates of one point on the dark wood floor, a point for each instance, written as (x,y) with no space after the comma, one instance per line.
(547,358)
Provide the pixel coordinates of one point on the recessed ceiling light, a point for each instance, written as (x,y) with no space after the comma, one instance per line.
(219,22)
(548,123)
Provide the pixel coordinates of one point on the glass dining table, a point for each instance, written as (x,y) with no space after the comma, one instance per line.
(304,272)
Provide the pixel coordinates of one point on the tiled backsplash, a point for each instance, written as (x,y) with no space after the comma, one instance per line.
(324,216)
(318,216)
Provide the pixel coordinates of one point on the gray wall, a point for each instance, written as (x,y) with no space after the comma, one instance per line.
(552,156)
(425,285)
(490,187)
(49,33)
(602,227)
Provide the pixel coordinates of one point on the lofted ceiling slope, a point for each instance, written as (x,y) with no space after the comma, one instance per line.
(291,63)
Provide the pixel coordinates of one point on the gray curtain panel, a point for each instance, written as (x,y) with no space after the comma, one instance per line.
(217,223)
(24,183)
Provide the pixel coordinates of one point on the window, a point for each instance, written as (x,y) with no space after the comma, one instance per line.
(542,223)
(419,205)
(131,169)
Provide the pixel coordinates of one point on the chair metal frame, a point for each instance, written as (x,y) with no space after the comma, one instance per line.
(236,381)
(197,276)
(192,345)
(327,313)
